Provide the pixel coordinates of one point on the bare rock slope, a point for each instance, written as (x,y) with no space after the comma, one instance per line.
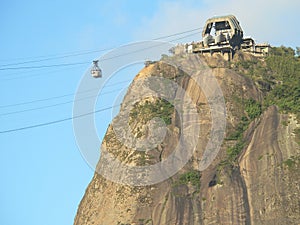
(254,179)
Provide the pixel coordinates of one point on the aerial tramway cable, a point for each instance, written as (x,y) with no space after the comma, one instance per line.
(4,67)
(78,63)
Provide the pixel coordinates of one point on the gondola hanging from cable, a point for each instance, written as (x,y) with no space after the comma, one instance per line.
(96,71)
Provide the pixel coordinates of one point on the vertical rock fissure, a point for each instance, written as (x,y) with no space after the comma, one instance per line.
(246,200)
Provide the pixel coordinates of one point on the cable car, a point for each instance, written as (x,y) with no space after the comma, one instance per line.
(96,71)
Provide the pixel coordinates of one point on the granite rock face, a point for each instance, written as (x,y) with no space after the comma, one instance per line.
(259,183)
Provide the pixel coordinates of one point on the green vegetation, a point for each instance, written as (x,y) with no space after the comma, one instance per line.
(285,68)
(148,221)
(284,123)
(289,162)
(279,75)
(235,150)
(160,108)
(279,78)
(292,162)
(253,108)
(191,177)
(142,158)
(238,133)
(165,202)
(251,68)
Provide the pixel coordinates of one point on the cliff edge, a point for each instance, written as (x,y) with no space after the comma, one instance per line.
(254,179)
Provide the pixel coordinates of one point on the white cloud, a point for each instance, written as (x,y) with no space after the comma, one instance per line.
(172,17)
(273,21)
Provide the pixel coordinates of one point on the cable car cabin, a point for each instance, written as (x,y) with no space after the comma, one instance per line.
(227,30)
(96,71)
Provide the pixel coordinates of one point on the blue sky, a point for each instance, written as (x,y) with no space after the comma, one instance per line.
(43,176)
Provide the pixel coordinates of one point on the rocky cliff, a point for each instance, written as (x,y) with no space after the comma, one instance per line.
(254,178)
